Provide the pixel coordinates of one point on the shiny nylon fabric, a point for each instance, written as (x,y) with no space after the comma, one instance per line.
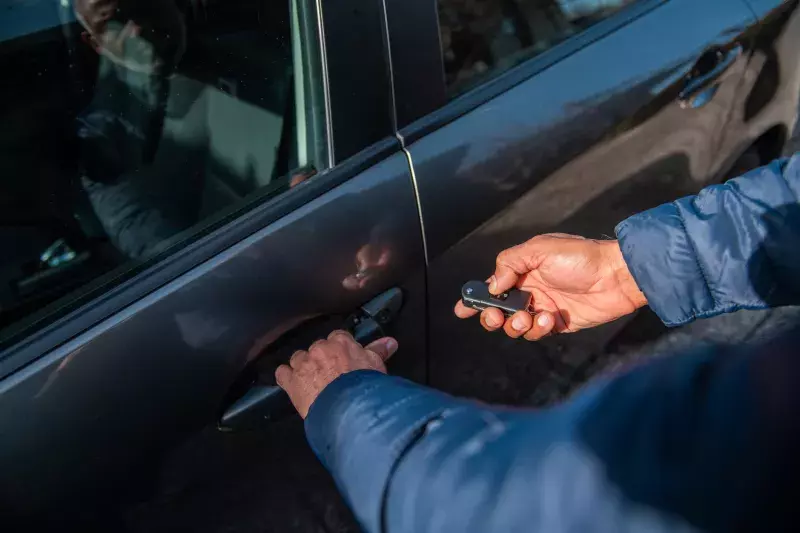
(706,441)
(733,246)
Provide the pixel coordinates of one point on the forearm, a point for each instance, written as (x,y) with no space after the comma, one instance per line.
(655,449)
(733,246)
(361,426)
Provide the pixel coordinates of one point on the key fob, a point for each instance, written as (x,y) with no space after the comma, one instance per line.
(475,294)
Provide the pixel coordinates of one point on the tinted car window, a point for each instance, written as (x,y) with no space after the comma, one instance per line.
(129,124)
(481,38)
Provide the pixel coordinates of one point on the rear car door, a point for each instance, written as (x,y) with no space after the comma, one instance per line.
(553,115)
(192,192)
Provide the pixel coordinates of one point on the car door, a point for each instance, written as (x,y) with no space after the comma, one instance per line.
(155,323)
(765,116)
(551,116)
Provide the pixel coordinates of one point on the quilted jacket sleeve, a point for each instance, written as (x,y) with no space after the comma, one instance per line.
(701,442)
(733,246)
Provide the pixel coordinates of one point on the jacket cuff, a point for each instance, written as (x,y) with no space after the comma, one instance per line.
(360,426)
(664,263)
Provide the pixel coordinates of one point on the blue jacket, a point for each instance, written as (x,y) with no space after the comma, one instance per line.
(706,441)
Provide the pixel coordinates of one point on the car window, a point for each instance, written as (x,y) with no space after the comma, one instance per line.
(129,126)
(482,38)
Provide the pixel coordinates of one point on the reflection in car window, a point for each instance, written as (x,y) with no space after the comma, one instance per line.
(481,38)
(136,121)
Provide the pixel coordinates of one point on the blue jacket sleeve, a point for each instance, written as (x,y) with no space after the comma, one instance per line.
(701,442)
(731,247)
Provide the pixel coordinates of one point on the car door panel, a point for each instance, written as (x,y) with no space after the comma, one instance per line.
(765,114)
(593,137)
(763,8)
(132,386)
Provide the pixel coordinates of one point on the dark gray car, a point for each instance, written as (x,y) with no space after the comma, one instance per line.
(193,189)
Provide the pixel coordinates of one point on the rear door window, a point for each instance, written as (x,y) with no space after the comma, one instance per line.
(135,127)
(483,38)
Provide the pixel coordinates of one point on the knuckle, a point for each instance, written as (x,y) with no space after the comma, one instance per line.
(297,358)
(318,349)
(504,256)
(282,374)
(342,337)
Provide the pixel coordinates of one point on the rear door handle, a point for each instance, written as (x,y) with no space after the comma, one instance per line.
(262,403)
(702,83)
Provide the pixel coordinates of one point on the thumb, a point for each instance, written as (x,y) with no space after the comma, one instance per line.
(511,264)
(385,348)
(504,278)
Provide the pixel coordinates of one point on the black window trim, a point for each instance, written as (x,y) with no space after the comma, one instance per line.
(363,147)
(357,66)
(420,114)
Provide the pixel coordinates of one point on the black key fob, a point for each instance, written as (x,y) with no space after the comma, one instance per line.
(475,294)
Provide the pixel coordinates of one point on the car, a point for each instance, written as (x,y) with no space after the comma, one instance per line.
(194,189)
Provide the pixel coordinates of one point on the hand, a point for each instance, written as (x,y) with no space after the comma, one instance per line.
(308,373)
(95,14)
(576,284)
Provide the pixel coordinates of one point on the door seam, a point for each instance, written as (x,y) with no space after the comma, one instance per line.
(426,269)
(415,187)
(390,66)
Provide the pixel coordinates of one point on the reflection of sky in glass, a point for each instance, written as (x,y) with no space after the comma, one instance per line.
(22,17)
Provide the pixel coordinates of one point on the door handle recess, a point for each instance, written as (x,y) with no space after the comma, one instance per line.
(702,83)
(262,403)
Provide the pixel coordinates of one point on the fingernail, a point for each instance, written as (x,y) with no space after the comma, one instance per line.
(391,346)
(543,320)
(491,321)
(518,323)
(492,284)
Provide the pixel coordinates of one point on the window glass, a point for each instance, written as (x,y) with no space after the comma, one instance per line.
(481,38)
(129,124)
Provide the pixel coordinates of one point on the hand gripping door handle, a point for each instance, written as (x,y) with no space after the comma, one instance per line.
(261,403)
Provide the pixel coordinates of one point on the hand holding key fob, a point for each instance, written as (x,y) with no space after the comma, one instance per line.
(476,295)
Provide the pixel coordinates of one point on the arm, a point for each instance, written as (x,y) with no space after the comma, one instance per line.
(733,246)
(704,441)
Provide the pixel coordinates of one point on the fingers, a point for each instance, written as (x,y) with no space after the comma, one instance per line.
(518,325)
(341,335)
(298,358)
(533,328)
(283,376)
(520,260)
(384,348)
(504,279)
(543,324)
(492,319)
(510,265)
(462,311)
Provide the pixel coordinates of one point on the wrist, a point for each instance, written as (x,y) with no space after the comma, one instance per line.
(623,276)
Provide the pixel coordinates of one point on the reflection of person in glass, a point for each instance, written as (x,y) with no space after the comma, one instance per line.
(140,43)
